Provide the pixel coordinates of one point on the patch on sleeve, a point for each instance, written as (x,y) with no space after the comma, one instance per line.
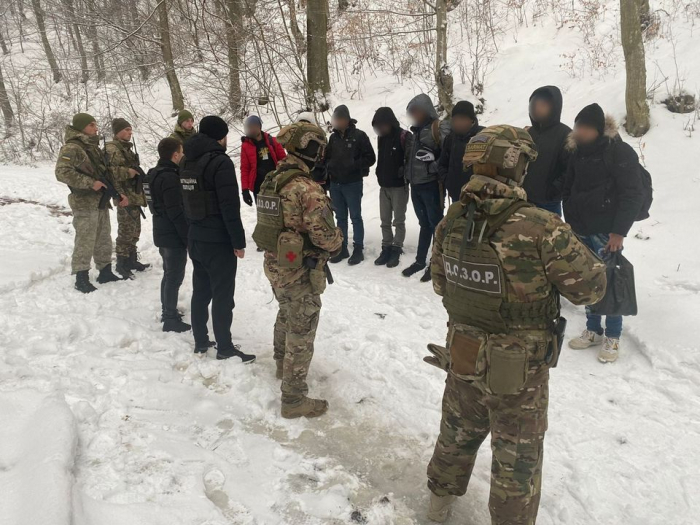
(65,157)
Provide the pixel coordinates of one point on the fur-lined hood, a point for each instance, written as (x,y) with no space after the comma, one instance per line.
(610,132)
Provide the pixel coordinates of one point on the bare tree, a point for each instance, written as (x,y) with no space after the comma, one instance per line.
(78,40)
(167,50)
(637,123)
(443,76)
(7,113)
(294,24)
(91,30)
(317,74)
(41,25)
(234,31)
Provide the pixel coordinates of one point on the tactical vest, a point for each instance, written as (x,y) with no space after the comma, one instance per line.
(154,205)
(476,284)
(198,202)
(269,204)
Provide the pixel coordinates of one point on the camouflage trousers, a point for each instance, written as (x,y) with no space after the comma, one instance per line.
(93,239)
(517,424)
(128,231)
(295,331)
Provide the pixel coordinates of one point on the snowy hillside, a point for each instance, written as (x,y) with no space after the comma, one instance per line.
(108,421)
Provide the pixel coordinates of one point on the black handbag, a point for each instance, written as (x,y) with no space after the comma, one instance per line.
(620,297)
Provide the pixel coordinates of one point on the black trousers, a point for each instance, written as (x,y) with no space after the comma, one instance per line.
(174,262)
(213,281)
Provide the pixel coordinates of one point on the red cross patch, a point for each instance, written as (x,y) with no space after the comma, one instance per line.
(291,256)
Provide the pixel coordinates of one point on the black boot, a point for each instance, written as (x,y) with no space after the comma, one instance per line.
(357,256)
(134,263)
(106,275)
(236,352)
(394,257)
(384,256)
(344,254)
(179,315)
(413,269)
(175,324)
(202,349)
(427,276)
(123,267)
(82,282)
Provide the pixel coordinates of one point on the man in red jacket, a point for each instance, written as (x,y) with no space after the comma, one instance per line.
(260,154)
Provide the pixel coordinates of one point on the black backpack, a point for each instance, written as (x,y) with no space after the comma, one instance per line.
(645,176)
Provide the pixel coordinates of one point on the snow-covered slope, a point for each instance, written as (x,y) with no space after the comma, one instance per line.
(106,420)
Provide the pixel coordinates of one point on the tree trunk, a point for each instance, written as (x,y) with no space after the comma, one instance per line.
(234,31)
(91,30)
(166,47)
(443,77)
(78,41)
(296,32)
(317,74)
(637,123)
(39,15)
(7,113)
(3,45)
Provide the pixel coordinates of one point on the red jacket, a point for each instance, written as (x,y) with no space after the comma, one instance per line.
(249,159)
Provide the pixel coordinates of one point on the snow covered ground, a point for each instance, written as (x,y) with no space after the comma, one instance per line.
(106,420)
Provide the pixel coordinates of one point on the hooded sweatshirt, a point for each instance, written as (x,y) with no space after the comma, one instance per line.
(418,171)
(391,150)
(545,176)
(349,154)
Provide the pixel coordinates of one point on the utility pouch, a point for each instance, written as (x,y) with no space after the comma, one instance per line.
(290,246)
(555,345)
(507,364)
(318,280)
(467,359)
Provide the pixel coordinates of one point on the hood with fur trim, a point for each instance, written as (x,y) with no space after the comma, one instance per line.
(610,133)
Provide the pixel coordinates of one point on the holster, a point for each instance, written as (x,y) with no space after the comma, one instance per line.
(555,345)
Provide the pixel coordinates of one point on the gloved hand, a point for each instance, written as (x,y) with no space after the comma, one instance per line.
(440,357)
(247,198)
(425,155)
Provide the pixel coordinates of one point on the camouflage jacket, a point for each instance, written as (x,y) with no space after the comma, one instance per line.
(537,250)
(80,162)
(121,157)
(182,134)
(306,210)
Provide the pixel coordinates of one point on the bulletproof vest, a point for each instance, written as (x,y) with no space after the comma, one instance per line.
(269,204)
(476,283)
(154,205)
(198,202)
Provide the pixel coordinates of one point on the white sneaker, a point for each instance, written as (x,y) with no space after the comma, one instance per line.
(610,351)
(440,507)
(586,340)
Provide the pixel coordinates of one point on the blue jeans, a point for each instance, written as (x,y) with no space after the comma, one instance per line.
(347,199)
(427,203)
(613,323)
(554,207)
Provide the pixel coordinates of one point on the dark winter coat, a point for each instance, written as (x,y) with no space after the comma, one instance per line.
(249,159)
(545,176)
(391,150)
(603,196)
(450,166)
(169,223)
(418,171)
(349,155)
(219,176)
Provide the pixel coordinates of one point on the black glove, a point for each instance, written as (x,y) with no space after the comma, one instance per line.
(247,198)
(440,357)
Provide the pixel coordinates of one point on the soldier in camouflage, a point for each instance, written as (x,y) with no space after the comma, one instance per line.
(184,128)
(499,265)
(81,165)
(124,167)
(298,234)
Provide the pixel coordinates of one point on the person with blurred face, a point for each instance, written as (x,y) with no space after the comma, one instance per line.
(545,176)
(184,128)
(465,125)
(260,153)
(348,158)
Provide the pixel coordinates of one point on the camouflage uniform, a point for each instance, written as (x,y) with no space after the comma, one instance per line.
(539,256)
(80,163)
(181,133)
(121,158)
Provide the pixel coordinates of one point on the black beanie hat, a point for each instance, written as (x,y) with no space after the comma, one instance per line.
(464,108)
(213,127)
(342,111)
(592,116)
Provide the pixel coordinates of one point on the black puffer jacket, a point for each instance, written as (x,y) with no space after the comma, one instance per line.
(450,166)
(349,155)
(169,222)
(391,150)
(219,176)
(603,190)
(545,176)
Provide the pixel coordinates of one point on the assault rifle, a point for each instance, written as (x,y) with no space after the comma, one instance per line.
(108,192)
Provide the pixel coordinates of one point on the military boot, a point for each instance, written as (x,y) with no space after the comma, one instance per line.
(123,267)
(440,507)
(394,257)
(106,275)
(134,263)
(82,282)
(383,257)
(175,324)
(427,276)
(280,369)
(344,254)
(307,407)
(413,269)
(357,256)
